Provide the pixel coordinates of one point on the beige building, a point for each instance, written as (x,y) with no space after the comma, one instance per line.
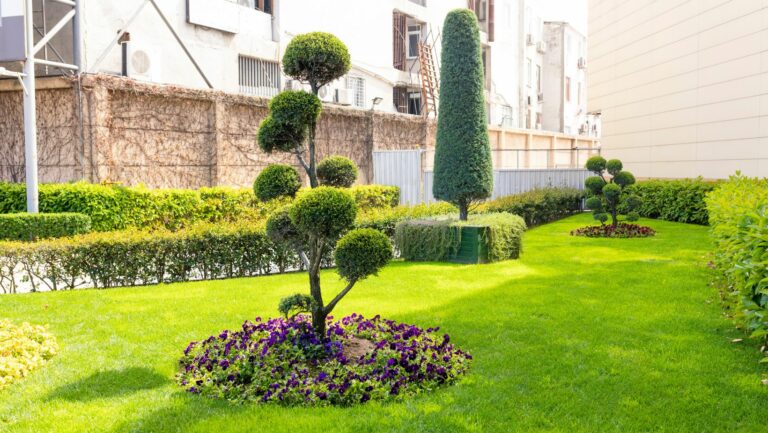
(682,85)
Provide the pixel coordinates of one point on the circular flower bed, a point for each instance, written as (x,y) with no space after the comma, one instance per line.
(283,361)
(623,230)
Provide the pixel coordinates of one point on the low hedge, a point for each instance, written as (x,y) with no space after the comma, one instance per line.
(30,227)
(131,258)
(441,239)
(674,200)
(114,207)
(538,206)
(738,213)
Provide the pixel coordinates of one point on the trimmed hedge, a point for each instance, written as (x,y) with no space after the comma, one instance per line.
(441,239)
(738,213)
(674,200)
(132,258)
(115,207)
(30,227)
(539,206)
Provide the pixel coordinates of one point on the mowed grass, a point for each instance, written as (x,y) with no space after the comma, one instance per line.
(580,335)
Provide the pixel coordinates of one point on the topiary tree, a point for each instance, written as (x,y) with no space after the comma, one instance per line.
(316,59)
(277,180)
(463,166)
(316,222)
(607,194)
(337,171)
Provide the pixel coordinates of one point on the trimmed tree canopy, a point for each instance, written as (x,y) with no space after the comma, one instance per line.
(337,171)
(463,165)
(324,212)
(277,180)
(316,58)
(361,253)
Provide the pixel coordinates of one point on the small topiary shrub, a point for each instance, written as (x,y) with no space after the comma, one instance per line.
(30,227)
(23,348)
(285,362)
(608,192)
(337,171)
(275,181)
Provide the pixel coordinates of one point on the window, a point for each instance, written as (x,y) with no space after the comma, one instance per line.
(568,89)
(259,77)
(414,103)
(538,78)
(414,38)
(262,5)
(357,86)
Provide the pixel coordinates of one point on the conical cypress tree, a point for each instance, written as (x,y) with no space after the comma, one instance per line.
(463,166)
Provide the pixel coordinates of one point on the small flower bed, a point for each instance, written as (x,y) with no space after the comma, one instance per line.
(282,361)
(623,230)
(22,349)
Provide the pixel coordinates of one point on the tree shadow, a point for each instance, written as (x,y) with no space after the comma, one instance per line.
(110,383)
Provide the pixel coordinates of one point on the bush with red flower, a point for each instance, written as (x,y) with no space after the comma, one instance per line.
(283,361)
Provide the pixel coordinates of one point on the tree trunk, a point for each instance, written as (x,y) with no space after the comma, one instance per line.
(318,312)
(463,211)
(312,159)
(614,216)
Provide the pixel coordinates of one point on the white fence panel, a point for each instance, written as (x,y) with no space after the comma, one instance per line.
(400,168)
(508,182)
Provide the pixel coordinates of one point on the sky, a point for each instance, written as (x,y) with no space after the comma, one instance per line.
(572,11)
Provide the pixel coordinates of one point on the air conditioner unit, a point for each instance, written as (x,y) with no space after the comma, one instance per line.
(326,94)
(343,97)
(582,63)
(529,39)
(145,63)
(541,47)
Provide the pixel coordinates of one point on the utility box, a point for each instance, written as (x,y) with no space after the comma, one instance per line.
(12,31)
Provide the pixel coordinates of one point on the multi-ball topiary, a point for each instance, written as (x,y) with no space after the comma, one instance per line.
(314,224)
(316,59)
(607,194)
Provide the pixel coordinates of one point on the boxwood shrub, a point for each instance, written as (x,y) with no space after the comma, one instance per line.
(30,227)
(538,206)
(674,200)
(441,239)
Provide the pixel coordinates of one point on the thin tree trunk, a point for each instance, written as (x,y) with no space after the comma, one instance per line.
(318,311)
(463,211)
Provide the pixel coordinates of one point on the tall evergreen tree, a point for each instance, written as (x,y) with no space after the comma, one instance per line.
(463,166)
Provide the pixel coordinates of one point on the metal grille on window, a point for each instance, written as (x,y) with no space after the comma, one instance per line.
(259,77)
(357,86)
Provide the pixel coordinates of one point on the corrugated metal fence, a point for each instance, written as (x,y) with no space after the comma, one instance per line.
(404,170)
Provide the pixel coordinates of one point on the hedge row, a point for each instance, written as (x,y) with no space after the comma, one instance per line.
(441,239)
(674,200)
(538,206)
(738,213)
(115,207)
(131,258)
(203,251)
(30,227)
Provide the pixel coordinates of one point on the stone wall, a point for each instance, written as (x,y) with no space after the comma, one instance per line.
(111,129)
(165,136)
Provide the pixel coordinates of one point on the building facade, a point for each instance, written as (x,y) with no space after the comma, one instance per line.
(238,44)
(565,80)
(682,86)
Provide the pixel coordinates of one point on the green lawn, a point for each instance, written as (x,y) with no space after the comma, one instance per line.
(580,335)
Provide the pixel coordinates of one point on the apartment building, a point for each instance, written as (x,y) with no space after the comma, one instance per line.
(682,86)
(238,44)
(565,80)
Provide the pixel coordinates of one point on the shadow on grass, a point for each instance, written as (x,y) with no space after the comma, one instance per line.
(111,383)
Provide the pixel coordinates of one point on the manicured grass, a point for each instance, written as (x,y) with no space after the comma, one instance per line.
(580,335)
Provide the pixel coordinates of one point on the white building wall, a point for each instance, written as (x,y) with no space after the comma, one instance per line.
(565,109)
(682,85)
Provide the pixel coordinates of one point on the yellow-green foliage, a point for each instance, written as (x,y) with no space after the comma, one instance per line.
(738,213)
(23,348)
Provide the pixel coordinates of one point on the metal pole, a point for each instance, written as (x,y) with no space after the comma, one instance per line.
(77,42)
(30,114)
